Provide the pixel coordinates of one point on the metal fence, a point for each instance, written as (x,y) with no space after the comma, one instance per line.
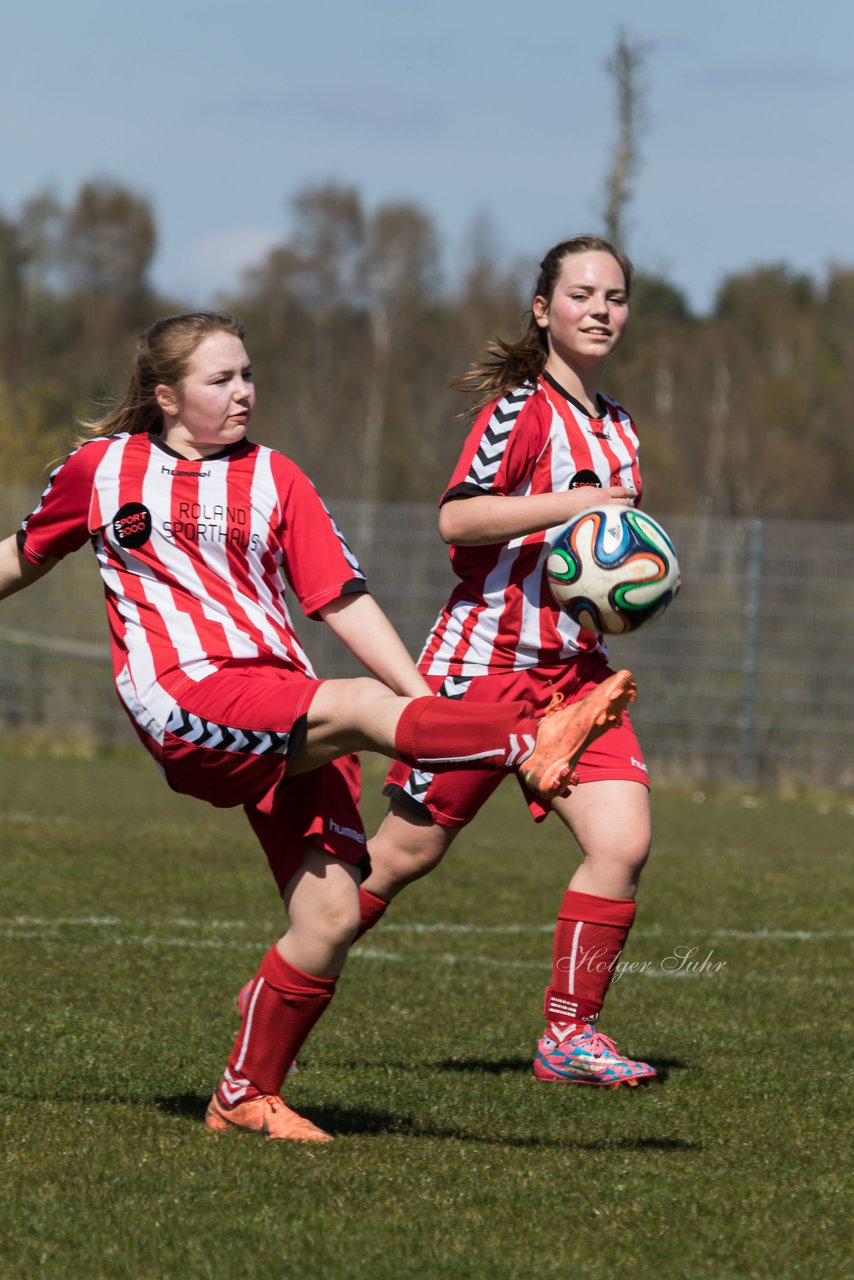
(746,679)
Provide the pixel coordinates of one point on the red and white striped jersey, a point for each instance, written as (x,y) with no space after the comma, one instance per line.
(534,439)
(190,554)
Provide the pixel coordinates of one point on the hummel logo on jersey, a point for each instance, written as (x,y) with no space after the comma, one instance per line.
(132,525)
(176,471)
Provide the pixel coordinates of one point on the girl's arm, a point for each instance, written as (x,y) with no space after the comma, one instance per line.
(360,624)
(493,518)
(16,572)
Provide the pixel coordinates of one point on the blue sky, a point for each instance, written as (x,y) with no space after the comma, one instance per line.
(220,112)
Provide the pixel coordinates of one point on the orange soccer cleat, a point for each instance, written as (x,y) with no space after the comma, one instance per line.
(266,1115)
(565,732)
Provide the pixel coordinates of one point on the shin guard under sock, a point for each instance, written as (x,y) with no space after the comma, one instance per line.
(439,733)
(281,1007)
(371,911)
(589,937)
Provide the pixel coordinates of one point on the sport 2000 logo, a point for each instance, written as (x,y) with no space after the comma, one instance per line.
(132,525)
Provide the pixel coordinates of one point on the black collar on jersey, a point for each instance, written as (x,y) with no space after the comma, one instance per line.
(212,457)
(572,400)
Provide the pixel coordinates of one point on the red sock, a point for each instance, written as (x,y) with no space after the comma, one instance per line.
(282,1006)
(590,935)
(371,911)
(444,734)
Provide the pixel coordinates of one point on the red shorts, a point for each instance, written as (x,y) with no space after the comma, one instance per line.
(453,798)
(321,806)
(229,740)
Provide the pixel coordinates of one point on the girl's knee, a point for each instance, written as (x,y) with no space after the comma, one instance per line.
(335,918)
(363,695)
(628,856)
(324,895)
(633,852)
(405,849)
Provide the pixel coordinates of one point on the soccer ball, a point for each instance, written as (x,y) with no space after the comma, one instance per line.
(613,569)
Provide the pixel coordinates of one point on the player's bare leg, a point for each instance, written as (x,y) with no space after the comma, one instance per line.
(349,715)
(407,847)
(404,849)
(322,901)
(361,714)
(615,852)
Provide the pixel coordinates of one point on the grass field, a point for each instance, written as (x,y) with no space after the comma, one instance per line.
(131,917)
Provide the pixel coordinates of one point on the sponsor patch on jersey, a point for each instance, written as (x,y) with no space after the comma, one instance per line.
(585,480)
(132,525)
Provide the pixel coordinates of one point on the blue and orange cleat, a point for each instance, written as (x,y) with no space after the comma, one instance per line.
(588,1057)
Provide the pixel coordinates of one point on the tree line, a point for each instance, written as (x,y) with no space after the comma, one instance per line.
(357,328)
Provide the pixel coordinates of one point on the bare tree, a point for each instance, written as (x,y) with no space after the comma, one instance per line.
(400,277)
(110,238)
(625,68)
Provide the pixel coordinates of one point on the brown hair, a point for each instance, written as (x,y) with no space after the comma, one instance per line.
(162,357)
(505,365)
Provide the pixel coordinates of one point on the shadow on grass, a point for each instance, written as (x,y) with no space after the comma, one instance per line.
(516,1066)
(364,1122)
(358,1122)
(189,1105)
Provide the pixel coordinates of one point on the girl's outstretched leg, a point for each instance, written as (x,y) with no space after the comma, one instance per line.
(442,734)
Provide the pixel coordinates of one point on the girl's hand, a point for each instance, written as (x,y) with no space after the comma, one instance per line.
(587,496)
(625,497)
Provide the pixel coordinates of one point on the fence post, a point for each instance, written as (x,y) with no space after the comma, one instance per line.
(750,689)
